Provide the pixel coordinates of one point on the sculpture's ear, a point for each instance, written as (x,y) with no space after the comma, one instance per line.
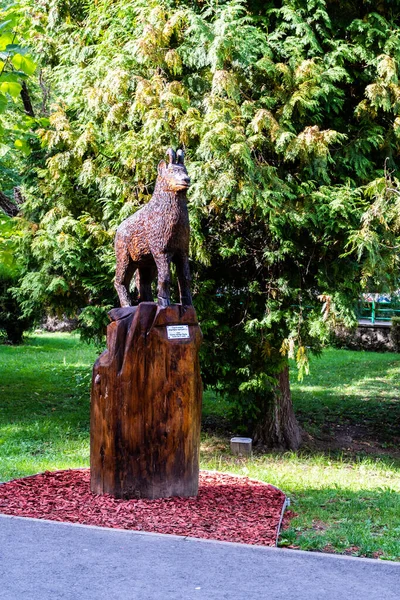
(162,165)
(171,156)
(180,155)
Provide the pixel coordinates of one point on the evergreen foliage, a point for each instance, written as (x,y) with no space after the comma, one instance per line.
(289,113)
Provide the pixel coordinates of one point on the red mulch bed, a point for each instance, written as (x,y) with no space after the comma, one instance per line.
(228,507)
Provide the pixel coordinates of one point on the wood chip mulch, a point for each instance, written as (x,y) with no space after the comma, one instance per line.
(228,507)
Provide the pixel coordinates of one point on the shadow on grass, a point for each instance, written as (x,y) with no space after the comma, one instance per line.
(350,402)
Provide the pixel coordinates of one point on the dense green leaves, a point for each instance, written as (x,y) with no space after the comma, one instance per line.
(16,68)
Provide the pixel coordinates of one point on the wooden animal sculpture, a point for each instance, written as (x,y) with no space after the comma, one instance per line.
(156,235)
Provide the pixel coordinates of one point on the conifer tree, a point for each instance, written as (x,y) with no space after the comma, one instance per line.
(289,115)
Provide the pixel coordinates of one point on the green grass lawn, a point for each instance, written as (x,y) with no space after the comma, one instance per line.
(44,405)
(344,484)
(351,396)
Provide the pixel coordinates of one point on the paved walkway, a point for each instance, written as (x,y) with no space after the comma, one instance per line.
(40,560)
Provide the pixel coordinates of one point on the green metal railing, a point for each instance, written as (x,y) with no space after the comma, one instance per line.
(377,311)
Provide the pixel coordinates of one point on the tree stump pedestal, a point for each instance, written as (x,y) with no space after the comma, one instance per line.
(146,404)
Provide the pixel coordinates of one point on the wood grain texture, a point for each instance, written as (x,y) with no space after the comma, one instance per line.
(146,405)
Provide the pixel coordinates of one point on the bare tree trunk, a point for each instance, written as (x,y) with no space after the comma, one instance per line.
(278,427)
(26,100)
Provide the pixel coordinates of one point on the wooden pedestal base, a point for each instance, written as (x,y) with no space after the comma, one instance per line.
(146,404)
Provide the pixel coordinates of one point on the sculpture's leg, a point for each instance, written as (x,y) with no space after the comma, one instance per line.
(163,263)
(146,276)
(183,272)
(123,275)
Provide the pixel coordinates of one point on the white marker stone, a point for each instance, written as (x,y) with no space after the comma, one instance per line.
(241,446)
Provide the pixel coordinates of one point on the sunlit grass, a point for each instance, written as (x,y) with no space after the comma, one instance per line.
(44,405)
(344,503)
(347,507)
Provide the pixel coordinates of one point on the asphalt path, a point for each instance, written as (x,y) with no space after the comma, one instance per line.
(43,560)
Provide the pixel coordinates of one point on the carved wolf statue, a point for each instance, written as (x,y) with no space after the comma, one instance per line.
(156,235)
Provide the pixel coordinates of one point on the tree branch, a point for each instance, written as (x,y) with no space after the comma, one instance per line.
(45,93)
(26,99)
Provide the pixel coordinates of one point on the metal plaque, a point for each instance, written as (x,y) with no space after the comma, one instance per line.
(178,332)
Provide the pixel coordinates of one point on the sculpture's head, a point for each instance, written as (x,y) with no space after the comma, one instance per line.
(173,174)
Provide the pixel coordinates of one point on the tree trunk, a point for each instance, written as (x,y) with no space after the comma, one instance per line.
(278,427)
(7,206)
(26,100)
